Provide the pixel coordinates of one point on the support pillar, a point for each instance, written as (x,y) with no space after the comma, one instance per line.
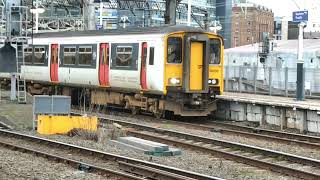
(264,115)
(300,75)
(304,119)
(170,14)
(283,118)
(13,93)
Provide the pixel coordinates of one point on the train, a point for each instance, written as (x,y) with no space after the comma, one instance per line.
(173,69)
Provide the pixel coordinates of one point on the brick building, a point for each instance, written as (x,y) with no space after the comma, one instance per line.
(248,23)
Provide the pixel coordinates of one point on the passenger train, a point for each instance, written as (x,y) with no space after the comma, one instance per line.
(157,70)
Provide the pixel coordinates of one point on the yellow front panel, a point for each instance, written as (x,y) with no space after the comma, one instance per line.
(196,66)
(63,124)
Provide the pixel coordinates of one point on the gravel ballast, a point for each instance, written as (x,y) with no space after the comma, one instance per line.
(189,160)
(292,149)
(17,165)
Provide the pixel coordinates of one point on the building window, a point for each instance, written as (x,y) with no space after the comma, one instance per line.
(249,23)
(214,51)
(124,56)
(85,55)
(39,55)
(69,56)
(174,50)
(28,55)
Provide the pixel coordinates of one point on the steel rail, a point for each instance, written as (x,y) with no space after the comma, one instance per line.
(250,132)
(108,156)
(4,126)
(76,164)
(257,133)
(231,156)
(228,144)
(297,137)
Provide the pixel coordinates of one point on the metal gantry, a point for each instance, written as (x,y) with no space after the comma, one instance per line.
(73,15)
(2,23)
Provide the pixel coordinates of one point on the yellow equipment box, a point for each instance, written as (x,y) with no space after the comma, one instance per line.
(63,124)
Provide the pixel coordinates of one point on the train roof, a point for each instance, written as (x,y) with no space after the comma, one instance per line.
(127,31)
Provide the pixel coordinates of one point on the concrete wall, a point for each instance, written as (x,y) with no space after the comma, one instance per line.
(285,117)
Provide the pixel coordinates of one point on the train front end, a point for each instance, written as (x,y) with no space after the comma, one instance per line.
(193,72)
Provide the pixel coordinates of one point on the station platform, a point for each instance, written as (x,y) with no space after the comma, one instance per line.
(310,104)
(284,112)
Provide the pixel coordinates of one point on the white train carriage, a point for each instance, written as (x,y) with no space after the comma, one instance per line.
(129,68)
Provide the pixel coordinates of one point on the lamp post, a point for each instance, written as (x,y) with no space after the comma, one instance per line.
(189,12)
(300,62)
(35,10)
(216,27)
(124,20)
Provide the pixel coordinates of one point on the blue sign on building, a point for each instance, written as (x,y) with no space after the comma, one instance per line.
(300,16)
(98,27)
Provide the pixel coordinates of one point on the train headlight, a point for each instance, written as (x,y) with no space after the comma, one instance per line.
(213,81)
(174,81)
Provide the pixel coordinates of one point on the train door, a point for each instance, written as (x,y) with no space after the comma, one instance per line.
(54,63)
(143,72)
(196,66)
(104,65)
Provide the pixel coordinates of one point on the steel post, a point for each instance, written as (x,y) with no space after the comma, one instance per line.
(226,78)
(300,75)
(270,81)
(13,94)
(255,70)
(189,12)
(240,78)
(286,81)
(170,13)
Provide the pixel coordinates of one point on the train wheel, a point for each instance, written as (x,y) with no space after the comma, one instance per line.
(135,110)
(159,115)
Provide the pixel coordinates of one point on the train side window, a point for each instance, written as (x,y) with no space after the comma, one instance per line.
(151,56)
(174,50)
(28,55)
(214,51)
(124,56)
(69,55)
(85,55)
(39,55)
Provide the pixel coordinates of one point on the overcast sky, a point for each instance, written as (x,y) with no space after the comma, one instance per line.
(286,7)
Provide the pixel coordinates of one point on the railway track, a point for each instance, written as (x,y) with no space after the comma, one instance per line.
(252,132)
(94,160)
(4,126)
(257,133)
(284,163)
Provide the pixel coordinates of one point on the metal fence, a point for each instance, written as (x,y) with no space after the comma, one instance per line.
(270,80)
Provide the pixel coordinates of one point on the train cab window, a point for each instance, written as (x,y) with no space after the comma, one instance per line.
(85,55)
(151,56)
(174,50)
(28,55)
(214,51)
(123,56)
(69,55)
(39,55)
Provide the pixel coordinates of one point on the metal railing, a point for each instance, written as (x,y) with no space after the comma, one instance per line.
(270,80)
